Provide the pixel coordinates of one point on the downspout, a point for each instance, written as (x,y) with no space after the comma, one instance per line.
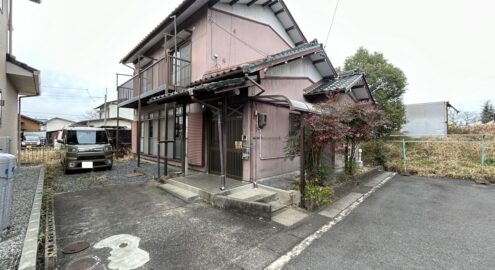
(118,114)
(139,131)
(19,131)
(220,139)
(11,28)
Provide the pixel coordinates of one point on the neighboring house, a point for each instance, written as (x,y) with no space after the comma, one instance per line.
(246,62)
(29,124)
(110,122)
(16,79)
(427,119)
(109,110)
(53,126)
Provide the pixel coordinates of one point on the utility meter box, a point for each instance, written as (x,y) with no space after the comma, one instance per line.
(7,169)
(261,123)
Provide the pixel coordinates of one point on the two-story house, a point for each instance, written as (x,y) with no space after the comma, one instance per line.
(17,79)
(107,115)
(226,81)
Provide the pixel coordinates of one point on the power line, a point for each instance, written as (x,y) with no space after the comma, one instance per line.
(242,41)
(331,24)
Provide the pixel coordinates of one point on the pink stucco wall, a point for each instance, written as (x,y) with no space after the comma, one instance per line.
(268,157)
(235,40)
(289,87)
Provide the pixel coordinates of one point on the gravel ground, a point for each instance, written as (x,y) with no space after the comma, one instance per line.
(83,180)
(24,188)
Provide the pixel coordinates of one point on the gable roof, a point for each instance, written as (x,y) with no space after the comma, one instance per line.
(313,49)
(58,118)
(108,102)
(32,119)
(188,7)
(346,81)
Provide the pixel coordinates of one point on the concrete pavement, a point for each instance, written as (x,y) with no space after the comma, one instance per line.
(411,223)
(176,235)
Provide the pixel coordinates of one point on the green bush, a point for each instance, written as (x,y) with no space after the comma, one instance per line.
(317,196)
(374,153)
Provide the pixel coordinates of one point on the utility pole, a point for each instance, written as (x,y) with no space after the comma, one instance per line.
(105,108)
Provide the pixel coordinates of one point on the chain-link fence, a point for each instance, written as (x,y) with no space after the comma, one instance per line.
(464,156)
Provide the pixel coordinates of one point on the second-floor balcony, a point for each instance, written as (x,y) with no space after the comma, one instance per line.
(166,74)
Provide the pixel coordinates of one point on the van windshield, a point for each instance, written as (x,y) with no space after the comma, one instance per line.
(86,137)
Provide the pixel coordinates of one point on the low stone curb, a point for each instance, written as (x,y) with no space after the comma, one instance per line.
(254,209)
(30,244)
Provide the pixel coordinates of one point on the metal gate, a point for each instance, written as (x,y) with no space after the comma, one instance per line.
(233,128)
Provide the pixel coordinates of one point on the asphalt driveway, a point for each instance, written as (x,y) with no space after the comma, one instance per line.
(411,223)
(172,234)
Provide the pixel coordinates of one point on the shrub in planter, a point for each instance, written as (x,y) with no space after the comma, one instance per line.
(317,196)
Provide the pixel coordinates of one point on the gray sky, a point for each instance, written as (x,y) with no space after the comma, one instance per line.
(445,47)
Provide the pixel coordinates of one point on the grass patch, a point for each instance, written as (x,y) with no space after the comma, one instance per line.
(456,157)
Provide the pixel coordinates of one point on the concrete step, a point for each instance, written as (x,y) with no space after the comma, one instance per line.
(179,192)
(254,195)
(276,206)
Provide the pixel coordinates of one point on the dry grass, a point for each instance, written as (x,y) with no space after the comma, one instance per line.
(475,129)
(39,155)
(454,157)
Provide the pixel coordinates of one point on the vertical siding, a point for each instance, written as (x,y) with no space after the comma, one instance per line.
(195,139)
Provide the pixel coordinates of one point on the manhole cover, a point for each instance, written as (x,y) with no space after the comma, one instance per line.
(83,264)
(75,247)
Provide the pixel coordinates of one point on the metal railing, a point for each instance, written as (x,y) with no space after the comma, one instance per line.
(159,75)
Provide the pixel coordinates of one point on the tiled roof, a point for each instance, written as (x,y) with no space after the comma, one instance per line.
(251,67)
(345,81)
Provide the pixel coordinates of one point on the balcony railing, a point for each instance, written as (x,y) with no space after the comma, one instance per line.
(160,75)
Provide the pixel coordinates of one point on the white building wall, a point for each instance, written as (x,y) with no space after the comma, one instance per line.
(426,119)
(57,124)
(9,120)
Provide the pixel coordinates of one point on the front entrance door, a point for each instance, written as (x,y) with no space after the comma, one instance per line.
(233,126)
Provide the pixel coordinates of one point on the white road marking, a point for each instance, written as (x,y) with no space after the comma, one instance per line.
(125,253)
(297,250)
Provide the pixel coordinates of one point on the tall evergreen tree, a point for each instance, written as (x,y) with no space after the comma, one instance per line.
(487,113)
(387,83)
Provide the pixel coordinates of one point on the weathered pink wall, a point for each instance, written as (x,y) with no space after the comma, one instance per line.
(291,88)
(273,142)
(247,41)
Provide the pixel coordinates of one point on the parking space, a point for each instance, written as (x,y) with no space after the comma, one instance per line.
(411,223)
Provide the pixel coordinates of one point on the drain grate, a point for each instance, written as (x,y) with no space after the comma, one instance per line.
(75,247)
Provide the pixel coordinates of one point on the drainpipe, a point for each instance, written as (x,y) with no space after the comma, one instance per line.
(19,131)
(139,115)
(11,28)
(220,139)
(260,154)
(175,52)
